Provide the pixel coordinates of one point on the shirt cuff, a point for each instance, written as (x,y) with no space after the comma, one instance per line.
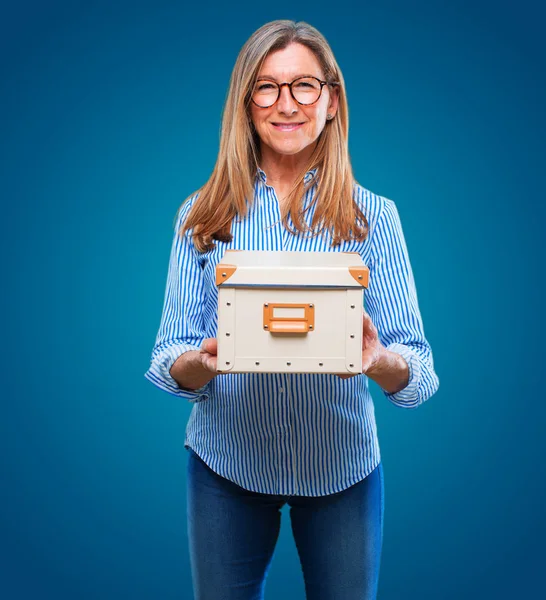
(407,397)
(159,373)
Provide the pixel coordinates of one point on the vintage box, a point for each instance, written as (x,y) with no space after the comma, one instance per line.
(290,312)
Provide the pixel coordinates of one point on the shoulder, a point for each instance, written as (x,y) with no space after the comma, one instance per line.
(373,206)
(184,209)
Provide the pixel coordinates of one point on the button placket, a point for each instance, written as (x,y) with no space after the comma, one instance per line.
(289,398)
(277,226)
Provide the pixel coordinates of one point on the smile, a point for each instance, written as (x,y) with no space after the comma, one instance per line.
(287,126)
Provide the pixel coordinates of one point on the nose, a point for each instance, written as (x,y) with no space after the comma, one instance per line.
(286,104)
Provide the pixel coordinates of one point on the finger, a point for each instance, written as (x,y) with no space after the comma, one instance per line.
(210,345)
(367,321)
(369,330)
(209,361)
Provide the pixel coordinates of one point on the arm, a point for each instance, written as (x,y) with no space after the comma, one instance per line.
(391,301)
(178,365)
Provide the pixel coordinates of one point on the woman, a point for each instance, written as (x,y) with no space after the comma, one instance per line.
(283,181)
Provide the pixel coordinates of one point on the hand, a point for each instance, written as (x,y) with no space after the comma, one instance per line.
(372,349)
(208,354)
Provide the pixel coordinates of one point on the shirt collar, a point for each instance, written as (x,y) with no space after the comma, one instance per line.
(308,176)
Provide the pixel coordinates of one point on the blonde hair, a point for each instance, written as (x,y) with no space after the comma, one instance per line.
(224,196)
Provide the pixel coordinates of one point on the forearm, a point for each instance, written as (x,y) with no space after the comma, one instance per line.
(188,371)
(391,372)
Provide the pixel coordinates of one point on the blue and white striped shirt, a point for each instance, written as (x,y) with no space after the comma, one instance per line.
(291,434)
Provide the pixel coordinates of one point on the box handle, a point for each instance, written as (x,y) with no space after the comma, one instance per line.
(289,317)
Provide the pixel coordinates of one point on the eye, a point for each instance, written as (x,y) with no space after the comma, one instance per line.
(306,84)
(264,86)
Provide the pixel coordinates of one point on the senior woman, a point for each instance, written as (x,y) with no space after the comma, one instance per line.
(283,181)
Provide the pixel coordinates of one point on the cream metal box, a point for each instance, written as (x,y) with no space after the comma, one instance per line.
(290,312)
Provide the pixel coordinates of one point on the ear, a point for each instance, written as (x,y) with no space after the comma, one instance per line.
(334,99)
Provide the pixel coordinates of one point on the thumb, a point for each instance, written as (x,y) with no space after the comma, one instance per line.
(210,345)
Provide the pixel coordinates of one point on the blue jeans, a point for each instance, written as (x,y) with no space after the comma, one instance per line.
(232,535)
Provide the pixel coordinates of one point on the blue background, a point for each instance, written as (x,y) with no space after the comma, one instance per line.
(111,117)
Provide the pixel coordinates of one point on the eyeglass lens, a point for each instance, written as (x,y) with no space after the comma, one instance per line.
(305,90)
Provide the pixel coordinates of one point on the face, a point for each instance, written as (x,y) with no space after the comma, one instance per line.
(289,128)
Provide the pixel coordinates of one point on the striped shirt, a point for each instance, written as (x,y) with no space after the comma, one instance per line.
(284,433)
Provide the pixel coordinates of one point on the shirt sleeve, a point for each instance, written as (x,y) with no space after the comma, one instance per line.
(181,328)
(391,302)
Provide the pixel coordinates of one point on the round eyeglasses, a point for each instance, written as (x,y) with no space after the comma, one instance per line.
(304,90)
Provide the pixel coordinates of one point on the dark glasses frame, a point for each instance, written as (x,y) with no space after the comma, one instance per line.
(290,84)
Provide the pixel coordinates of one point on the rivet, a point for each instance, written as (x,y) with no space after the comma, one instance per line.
(352,305)
(257,363)
(352,336)
(228,303)
(288,363)
(360,276)
(265,326)
(351,365)
(321,364)
(224,274)
(227,334)
(266,304)
(227,362)
(310,327)
(310,306)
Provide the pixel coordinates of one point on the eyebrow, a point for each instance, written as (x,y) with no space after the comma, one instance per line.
(271,78)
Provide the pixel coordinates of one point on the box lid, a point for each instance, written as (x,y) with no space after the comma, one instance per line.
(265,268)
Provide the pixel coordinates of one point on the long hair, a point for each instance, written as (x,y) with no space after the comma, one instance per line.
(230,188)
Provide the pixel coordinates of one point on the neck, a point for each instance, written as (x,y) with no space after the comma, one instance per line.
(284,169)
